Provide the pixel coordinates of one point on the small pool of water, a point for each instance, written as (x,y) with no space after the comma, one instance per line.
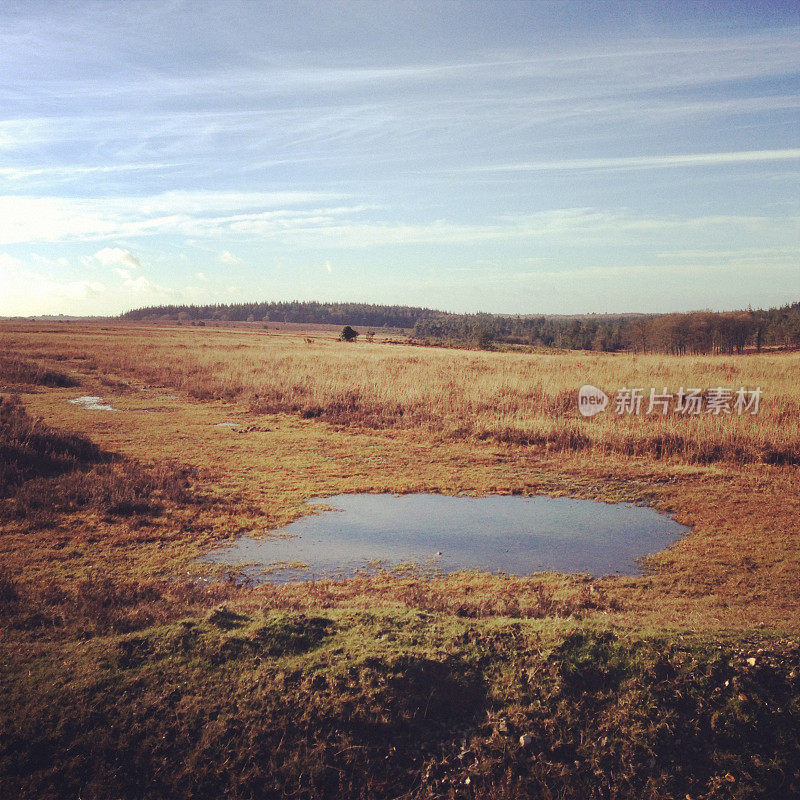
(92,403)
(511,534)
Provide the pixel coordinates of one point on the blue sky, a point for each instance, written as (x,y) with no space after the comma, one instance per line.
(512,157)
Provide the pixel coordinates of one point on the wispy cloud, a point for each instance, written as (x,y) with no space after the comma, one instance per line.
(648,162)
(54,219)
(73,170)
(275,111)
(661,62)
(421,141)
(567,227)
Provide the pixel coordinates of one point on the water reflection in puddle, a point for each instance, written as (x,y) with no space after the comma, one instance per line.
(512,534)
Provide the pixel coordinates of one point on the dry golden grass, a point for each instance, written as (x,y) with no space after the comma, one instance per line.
(740,566)
(506,397)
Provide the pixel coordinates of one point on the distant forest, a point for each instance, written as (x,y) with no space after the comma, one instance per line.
(693,332)
(404,317)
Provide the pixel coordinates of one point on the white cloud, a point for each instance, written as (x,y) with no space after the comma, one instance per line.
(51,219)
(142,285)
(201,276)
(25,290)
(54,219)
(226,257)
(328,266)
(109,256)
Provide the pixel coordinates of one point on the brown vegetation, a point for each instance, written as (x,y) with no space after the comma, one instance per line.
(44,472)
(125,676)
(504,397)
(24,372)
(30,449)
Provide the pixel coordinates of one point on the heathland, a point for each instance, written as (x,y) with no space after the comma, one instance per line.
(131,669)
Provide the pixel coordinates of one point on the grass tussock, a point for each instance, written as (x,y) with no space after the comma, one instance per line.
(122,489)
(465,595)
(527,598)
(23,372)
(101,604)
(513,398)
(29,449)
(45,473)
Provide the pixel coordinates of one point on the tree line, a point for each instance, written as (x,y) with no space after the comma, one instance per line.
(694,332)
(375,316)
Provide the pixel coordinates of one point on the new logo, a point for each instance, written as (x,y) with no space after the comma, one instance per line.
(591,400)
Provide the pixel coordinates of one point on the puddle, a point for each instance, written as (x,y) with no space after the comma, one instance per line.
(226,425)
(92,403)
(511,534)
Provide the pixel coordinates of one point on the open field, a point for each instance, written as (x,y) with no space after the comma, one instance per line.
(132,670)
(453,394)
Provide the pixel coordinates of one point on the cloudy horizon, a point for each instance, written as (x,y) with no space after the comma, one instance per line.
(506,157)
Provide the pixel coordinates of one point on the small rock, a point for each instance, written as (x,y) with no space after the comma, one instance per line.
(526,740)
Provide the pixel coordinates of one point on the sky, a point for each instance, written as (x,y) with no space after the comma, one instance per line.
(514,157)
